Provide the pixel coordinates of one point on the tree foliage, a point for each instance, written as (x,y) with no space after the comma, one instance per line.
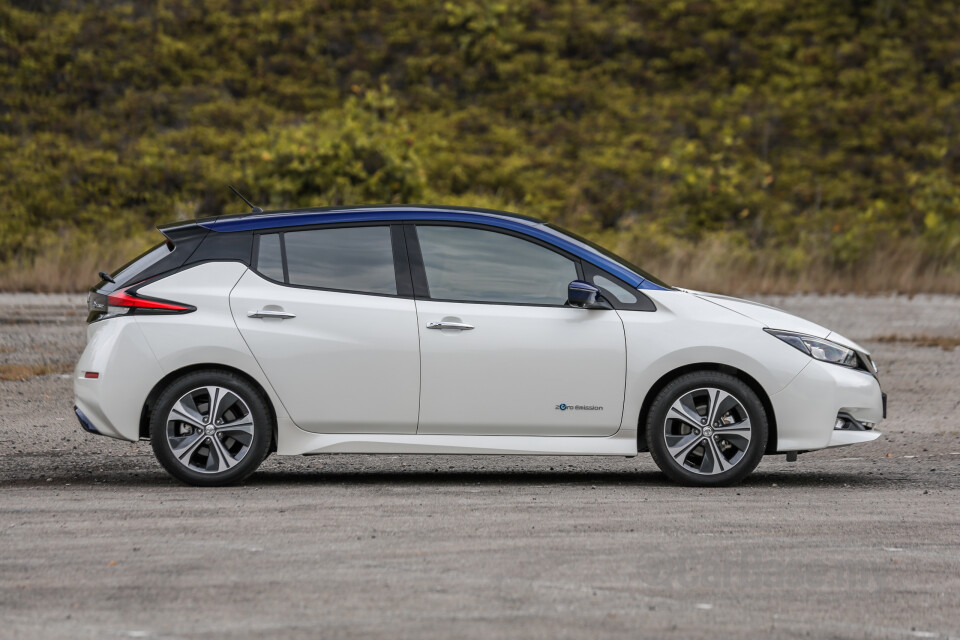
(806,132)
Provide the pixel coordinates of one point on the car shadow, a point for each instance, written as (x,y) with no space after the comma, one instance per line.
(519,478)
(647,477)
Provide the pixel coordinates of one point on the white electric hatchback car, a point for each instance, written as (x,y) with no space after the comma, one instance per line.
(441,330)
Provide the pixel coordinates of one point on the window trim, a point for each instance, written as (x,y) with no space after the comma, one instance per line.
(400,263)
(643,303)
(411,272)
(419,273)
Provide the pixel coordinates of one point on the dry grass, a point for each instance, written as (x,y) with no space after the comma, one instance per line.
(72,265)
(54,274)
(711,265)
(947,343)
(27,371)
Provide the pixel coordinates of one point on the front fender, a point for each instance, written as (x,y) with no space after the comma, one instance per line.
(686,331)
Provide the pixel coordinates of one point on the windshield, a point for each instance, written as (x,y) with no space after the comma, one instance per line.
(610,255)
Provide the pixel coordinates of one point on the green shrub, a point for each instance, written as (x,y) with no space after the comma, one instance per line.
(775,136)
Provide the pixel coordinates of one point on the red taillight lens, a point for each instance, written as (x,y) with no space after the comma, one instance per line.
(91,375)
(123,299)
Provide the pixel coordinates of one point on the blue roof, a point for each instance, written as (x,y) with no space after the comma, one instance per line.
(402,213)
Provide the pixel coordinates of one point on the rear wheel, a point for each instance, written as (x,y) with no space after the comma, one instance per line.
(707,429)
(211,428)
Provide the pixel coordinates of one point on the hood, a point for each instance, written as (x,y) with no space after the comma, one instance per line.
(770,317)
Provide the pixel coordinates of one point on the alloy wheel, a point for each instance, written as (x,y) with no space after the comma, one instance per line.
(210,429)
(707,431)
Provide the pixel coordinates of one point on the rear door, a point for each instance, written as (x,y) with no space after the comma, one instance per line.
(329,315)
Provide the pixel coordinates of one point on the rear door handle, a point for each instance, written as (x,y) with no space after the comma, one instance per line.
(267,313)
(462,326)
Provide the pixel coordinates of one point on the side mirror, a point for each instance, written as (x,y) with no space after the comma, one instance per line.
(584,295)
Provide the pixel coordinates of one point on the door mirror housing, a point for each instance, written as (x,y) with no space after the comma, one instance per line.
(584,295)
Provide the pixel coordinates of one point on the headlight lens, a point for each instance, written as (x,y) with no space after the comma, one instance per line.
(819,348)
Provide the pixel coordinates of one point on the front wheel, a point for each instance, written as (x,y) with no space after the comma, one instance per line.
(211,428)
(707,429)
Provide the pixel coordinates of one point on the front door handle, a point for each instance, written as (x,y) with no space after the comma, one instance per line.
(462,326)
(267,313)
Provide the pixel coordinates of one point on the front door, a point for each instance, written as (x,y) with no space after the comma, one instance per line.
(501,353)
(321,313)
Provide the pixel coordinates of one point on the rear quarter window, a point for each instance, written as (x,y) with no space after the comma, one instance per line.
(269,257)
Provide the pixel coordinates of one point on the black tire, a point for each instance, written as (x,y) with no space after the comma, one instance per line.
(744,455)
(241,401)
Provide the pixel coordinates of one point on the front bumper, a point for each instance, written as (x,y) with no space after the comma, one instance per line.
(807,408)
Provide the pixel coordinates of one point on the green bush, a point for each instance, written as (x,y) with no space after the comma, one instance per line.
(776,136)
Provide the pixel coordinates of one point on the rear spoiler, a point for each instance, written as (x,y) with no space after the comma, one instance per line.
(189,243)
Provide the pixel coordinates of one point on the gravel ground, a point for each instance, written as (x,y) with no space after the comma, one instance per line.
(97,542)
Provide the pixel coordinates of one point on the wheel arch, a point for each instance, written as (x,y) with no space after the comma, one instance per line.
(162,384)
(668,377)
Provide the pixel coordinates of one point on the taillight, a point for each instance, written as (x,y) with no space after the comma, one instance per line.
(123,299)
(128,302)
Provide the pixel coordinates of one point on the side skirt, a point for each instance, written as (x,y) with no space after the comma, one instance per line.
(617,445)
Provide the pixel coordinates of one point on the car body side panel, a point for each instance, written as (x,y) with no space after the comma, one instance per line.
(522,371)
(209,334)
(686,330)
(805,394)
(346,363)
(311,443)
(118,351)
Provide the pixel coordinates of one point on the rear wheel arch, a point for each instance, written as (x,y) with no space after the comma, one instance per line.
(164,382)
(670,376)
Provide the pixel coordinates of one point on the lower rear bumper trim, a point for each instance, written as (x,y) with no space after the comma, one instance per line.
(85,421)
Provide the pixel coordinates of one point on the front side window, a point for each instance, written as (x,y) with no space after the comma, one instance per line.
(476,265)
(611,288)
(358,259)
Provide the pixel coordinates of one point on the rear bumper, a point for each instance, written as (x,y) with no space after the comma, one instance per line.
(112,403)
(807,408)
(85,423)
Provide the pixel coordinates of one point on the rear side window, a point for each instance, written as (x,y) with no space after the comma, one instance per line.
(358,259)
(269,258)
(475,265)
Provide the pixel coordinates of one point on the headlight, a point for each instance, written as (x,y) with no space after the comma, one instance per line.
(819,348)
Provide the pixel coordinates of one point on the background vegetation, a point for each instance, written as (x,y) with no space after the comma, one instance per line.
(739,145)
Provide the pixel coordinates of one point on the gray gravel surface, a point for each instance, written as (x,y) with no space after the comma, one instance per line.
(97,542)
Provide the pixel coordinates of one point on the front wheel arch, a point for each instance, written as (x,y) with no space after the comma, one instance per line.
(164,382)
(670,376)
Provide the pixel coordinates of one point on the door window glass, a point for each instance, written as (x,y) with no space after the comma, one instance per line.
(269,258)
(615,290)
(350,259)
(476,265)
